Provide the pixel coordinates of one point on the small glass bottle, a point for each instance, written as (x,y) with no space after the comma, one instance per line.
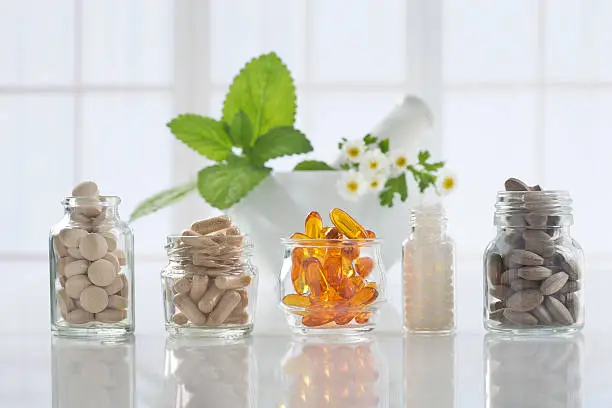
(429,273)
(92,270)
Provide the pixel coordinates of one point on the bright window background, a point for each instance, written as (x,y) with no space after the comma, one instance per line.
(520,87)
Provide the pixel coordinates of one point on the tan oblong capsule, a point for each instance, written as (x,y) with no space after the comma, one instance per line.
(185,305)
(199,284)
(210,299)
(211,224)
(232,281)
(228,302)
(180,319)
(238,318)
(111,315)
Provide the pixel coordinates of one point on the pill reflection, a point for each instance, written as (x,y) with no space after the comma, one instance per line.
(429,371)
(334,375)
(210,373)
(92,374)
(534,372)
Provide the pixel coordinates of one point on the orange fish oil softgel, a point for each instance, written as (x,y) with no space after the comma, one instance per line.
(347,224)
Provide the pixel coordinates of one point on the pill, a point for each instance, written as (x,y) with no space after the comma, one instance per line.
(71,237)
(80,219)
(244,299)
(111,240)
(117,302)
(61,265)
(239,318)
(89,210)
(362,318)
(299,235)
(370,234)
(112,259)
(365,296)
(111,316)
(210,299)
(232,281)
(115,286)
(314,225)
(364,266)
(226,304)
(333,233)
(66,304)
(60,249)
(185,305)
(315,277)
(211,224)
(199,284)
(332,268)
(298,274)
(62,281)
(296,300)
(101,272)
(120,256)
(75,285)
(86,189)
(347,224)
(180,319)
(233,236)
(317,319)
(93,246)
(94,299)
(77,267)
(182,285)
(125,290)
(79,316)
(75,253)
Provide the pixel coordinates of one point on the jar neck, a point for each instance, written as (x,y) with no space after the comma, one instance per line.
(104,207)
(428,221)
(533,209)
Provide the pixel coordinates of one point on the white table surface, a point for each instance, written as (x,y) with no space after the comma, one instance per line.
(38,371)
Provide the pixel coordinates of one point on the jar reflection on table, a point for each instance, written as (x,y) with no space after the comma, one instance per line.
(210,373)
(339,375)
(93,374)
(534,372)
(429,371)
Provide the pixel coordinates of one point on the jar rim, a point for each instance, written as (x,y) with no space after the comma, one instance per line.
(322,242)
(104,200)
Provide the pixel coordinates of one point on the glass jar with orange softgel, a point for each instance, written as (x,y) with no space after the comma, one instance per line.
(333,279)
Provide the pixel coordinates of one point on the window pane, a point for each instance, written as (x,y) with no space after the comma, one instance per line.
(578,149)
(490,40)
(358,40)
(127,149)
(36,163)
(488,137)
(579,35)
(37,42)
(127,42)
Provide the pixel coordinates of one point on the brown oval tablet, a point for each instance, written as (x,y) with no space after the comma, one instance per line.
(525,300)
(101,272)
(494,268)
(554,283)
(71,237)
(514,184)
(520,318)
(534,273)
(94,299)
(522,284)
(522,257)
(542,315)
(75,285)
(509,275)
(558,311)
(77,267)
(86,189)
(93,246)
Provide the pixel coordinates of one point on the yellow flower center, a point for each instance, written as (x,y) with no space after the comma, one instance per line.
(374,183)
(448,183)
(373,165)
(353,152)
(401,162)
(352,186)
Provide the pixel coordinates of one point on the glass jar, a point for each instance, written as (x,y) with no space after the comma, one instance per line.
(332,286)
(331,374)
(92,270)
(209,373)
(212,290)
(534,371)
(93,374)
(429,273)
(533,280)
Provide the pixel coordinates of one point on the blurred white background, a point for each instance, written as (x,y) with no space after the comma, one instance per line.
(519,88)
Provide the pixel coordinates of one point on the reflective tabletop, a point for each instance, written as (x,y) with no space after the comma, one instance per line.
(464,370)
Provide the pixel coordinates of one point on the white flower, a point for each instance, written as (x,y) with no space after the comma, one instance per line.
(376,182)
(352,185)
(353,150)
(399,161)
(374,162)
(446,182)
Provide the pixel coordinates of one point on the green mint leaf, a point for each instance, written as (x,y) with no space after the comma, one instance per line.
(234,159)
(313,165)
(223,185)
(424,155)
(280,141)
(162,199)
(393,186)
(241,130)
(264,90)
(383,145)
(204,135)
(345,166)
(433,166)
(369,139)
